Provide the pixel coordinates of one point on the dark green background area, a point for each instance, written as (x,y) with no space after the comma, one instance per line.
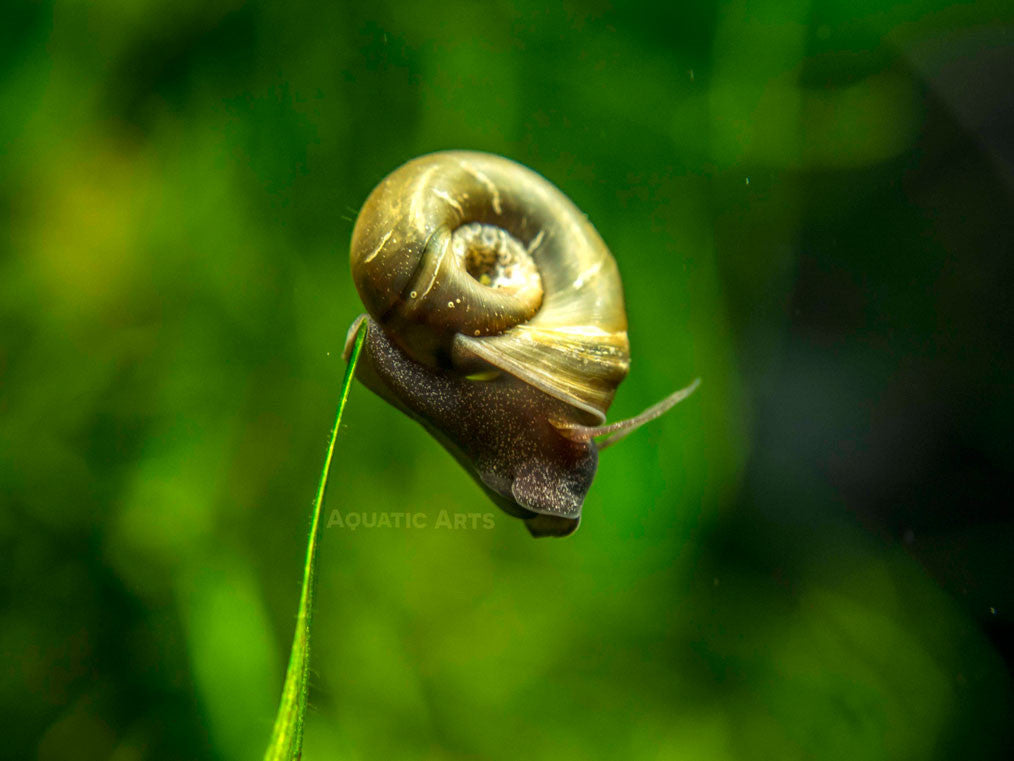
(811,207)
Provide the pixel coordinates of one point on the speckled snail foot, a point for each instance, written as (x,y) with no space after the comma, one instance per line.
(496,320)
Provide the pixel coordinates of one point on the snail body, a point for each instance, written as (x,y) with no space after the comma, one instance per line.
(495,319)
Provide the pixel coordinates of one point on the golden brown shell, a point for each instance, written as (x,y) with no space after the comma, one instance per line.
(563,332)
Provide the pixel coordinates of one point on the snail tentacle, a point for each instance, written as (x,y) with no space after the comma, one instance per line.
(607,435)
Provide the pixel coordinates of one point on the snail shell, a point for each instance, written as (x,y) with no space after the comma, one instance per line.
(496,320)
(565,335)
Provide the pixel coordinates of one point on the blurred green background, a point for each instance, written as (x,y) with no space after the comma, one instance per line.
(811,206)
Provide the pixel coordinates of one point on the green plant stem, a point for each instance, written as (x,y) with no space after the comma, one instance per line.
(287,736)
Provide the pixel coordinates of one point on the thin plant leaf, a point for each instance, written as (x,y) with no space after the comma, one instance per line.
(287,736)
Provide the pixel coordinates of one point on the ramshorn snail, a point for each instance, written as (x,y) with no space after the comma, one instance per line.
(496,320)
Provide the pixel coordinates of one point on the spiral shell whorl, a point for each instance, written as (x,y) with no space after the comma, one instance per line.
(552,312)
(418,235)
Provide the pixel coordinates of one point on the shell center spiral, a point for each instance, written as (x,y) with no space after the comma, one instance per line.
(496,259)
